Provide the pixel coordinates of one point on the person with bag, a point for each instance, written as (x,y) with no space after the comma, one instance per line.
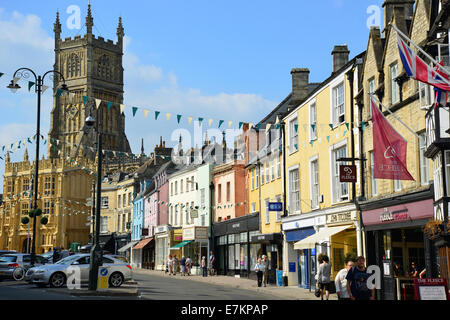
(323,277)
(259,268)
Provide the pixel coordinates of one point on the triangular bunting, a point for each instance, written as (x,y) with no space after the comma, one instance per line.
(179,118)
(85,100)
(98,102)
(146,113)
(157,115)
(122,108)
(190,120)
(110,104)
(220,122)
(168,115)
(30,85)
(134,111)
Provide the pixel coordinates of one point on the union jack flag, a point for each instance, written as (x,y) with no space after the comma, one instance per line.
(417,69)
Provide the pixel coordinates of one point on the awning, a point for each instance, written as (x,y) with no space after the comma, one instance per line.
(180,245)
(142,244)
(310,242)
(127,246)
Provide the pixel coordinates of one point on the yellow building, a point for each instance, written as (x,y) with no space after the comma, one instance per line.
(61,197)
(322,216)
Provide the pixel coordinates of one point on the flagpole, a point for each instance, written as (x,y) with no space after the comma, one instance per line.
(423,51)
(395,116)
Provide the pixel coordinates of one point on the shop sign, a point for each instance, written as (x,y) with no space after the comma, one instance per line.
(276,206)
(394,215)
(431,289)
(236,225)
(347,173)
(189,233)
(161,229)
(194,213)
(201,233)
(340,217)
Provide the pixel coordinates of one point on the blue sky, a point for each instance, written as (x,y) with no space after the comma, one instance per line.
(213,59)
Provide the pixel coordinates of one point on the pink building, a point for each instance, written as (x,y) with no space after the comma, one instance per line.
(229,184)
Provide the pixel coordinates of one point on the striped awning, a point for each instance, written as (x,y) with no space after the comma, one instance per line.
(142,243)
(180,245)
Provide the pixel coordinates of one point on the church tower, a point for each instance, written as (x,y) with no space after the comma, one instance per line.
(92,67)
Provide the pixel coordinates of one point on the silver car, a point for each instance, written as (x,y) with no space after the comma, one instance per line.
(56,274)
(10,262)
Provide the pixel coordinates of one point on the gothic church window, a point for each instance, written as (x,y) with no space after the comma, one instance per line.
(104,67)
(73,66)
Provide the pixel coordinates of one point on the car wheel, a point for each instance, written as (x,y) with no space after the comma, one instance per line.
(57,280)
(116,279)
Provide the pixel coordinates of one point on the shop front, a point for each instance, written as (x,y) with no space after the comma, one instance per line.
(235,253)
(272,247)
(196,246)
(165,238)
(140,252)
(395,240)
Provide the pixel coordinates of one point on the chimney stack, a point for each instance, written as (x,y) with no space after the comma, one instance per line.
(407,6)
(340,57)
(300,82)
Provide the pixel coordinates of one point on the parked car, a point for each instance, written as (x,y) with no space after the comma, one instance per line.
(2,252)
(9,262)
(56,274)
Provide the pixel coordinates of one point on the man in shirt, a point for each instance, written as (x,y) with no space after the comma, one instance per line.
(357,282)
(212,263)
(341,282)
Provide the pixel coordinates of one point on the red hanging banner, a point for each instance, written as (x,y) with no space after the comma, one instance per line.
(389,149)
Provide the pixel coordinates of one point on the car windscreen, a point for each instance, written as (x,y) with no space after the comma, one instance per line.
(8,259)
(67,260)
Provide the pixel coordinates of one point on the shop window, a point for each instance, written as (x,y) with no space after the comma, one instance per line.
(338,259)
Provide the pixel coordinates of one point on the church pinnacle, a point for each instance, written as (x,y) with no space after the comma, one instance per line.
(89,20)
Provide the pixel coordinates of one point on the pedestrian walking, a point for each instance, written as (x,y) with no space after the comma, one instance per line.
(357,282)
(212,263)
(183,266)
(56,255)
(188,265)
(324,274)
(169,265)
(259,268)
(204,267)
(64,253)
(265,262)
(175,265)
(341,281)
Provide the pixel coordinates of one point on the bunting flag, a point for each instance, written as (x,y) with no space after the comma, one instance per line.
(134,111)
(98,102)
(268,127)
(189,120)
(168,115)
(30,85)
(122,109)
(157,115)
(1,74)
(146,113)
(110,104)
(331,126)
(296,127)
(210,121)
(200,120)
(15,79)
(71,95)
(58,93)
(328,138)
(44,88)
(240,125)
(85,100)
(178,118)
(221,122)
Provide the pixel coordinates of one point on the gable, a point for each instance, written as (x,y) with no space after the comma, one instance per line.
(421,22)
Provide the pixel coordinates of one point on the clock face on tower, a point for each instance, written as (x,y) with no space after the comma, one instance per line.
(72,111)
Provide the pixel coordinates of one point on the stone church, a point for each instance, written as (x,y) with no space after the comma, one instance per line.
(92,66)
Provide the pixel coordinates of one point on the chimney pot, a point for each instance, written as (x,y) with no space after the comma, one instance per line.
(300,82)
(340,55)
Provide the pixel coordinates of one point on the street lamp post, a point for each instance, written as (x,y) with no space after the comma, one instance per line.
(96,251)
(25,73)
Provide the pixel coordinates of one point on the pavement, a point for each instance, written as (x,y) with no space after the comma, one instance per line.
(286,293)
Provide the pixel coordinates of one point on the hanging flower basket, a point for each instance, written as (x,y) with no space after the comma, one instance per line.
(434,228)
